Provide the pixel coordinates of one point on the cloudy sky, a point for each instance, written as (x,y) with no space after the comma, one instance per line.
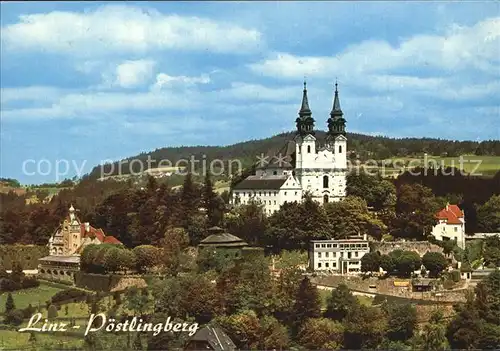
(91,81)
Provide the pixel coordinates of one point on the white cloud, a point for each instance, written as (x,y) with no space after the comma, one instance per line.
(33,93)
(165,80)
(125,29)
(133,73)
(477,47)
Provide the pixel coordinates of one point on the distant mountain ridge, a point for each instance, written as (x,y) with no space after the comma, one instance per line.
(364,146)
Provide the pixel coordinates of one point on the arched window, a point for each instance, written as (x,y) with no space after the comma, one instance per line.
(325,181)
(308,149)
(325,198)
(340,149)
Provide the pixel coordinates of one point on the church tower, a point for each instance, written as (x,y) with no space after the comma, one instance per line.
(305,122)
(305,142)
(336,136)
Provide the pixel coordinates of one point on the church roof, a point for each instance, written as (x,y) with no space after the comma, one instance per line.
(262,182)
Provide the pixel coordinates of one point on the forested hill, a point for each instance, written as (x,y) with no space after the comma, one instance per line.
(365,146)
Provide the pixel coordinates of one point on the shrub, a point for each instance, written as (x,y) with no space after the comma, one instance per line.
(14,317)
(69,294)
(7,284)
(29,282)
(52,312)
(28,311)
(455,276)
(435,262)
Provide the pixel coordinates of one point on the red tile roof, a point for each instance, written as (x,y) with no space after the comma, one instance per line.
(111,240)
(99,234)
(451,214)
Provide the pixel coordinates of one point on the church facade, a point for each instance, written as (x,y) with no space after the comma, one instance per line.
(305,164)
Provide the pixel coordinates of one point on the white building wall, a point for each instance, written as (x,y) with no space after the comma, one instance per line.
(343,256)
(443,231)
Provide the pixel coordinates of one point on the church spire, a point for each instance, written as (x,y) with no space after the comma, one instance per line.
(336,122)
(304,108)
(305,122)
(336,110)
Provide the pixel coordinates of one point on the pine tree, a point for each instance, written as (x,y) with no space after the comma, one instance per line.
(307,303)
(9,304)
(211,203)
(189,200)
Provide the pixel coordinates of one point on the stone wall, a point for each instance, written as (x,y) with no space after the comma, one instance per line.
(386,287)
(419,246)
(108,282)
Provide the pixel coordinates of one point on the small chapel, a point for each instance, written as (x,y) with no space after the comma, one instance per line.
(305,164)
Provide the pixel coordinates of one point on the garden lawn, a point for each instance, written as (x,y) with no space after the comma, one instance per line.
(33,296)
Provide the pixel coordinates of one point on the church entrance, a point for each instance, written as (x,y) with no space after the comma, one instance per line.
(325,198)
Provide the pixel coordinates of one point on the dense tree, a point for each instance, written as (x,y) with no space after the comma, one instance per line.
(434,262)
(243,328)
(173,245)
(191,295)
(351,217)
(321,334)
(251,287)
(376,191)
(296,224)
(488,216)
(307,303)
(416,207)
(190,199)
(401,321)
(214,206)
(407,263)
(147,257)
(340,303)
(370,262)
(491,251)
(248,222)
(364,328)
(433,336)
(475,325)
(138,301)
(274,334)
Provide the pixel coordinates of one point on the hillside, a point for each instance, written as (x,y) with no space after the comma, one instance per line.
(362,146)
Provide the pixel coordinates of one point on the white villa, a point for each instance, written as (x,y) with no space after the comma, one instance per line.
(451,225)
(341,256)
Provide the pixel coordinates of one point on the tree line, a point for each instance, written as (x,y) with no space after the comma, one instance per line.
(141,215)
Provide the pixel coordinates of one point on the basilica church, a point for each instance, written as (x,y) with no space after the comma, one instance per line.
(305,164)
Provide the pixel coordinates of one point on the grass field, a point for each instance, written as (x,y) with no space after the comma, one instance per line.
(469,164)
(13,340)
(33,296)
(477,165)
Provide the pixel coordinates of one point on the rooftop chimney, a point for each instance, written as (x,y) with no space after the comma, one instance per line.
(365,237)
(447,205)
(87,227)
